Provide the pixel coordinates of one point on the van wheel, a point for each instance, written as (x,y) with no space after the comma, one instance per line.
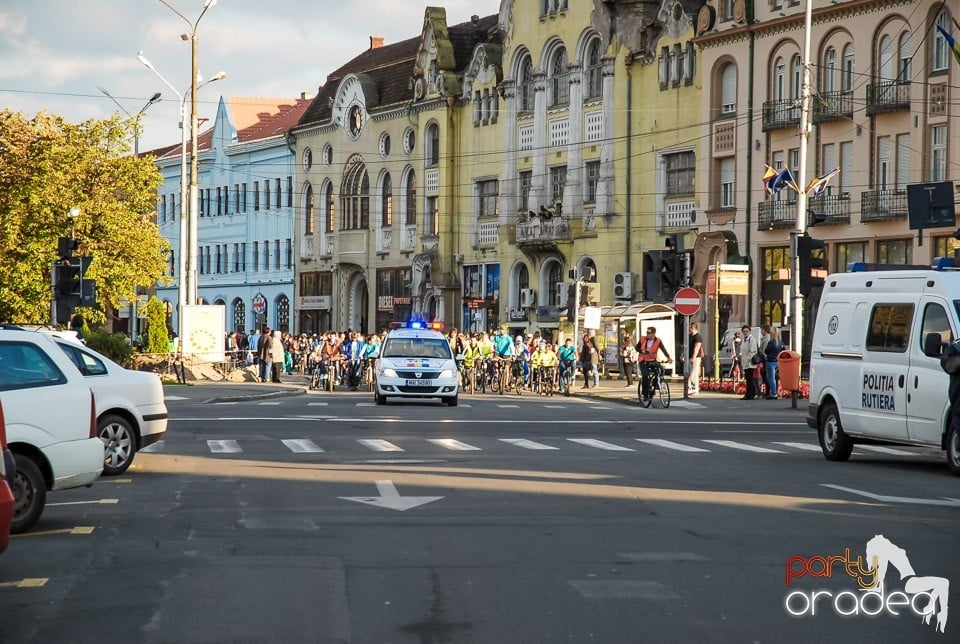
(836,445)
(29,494)
(953,450)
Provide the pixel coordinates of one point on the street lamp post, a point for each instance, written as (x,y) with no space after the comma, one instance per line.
(136,117)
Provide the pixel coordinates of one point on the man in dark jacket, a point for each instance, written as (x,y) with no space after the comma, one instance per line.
(950,362)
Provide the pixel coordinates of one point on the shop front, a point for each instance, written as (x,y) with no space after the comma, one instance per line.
(314,302)
(481,298)
(394,297)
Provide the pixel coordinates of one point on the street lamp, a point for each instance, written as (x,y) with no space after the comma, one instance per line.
(136,136)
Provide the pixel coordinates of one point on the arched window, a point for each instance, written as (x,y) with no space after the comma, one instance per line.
(796,74)
(386,202)
(328,208)
(308,210)
(887,59)
(550,277)
(410,198)
(829,75)
(849,61)
(283,314)
(906,56)
(587,270)
(728,90)
(521,280)
(239,315)
(779,80)
(355,197)
(940,49)
(525,85)
(559,78)
(433,144)
(594,70)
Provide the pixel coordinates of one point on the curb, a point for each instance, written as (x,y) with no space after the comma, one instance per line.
(272,394)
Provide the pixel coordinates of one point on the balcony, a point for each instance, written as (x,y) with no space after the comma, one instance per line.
(677,217)
(384,240)
(488,234)
(543,233)
(307,247)
(832,106)
(776,213)
(835,207)
(781,113)
(888,96)
(408,238)
(883,205)
(326,245)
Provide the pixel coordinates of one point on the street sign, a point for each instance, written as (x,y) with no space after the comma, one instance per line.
(687,301)
(259,304)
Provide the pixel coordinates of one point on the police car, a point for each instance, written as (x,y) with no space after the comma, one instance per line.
(416,362)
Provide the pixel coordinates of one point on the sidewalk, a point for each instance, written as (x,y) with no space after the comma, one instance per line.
(207,391)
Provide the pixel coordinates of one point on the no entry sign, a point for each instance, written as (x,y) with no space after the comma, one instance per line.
(687,301)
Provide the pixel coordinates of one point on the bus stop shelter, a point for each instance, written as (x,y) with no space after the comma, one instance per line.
(634,319)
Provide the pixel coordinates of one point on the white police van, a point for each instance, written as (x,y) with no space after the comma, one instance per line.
(416,362)
(875,374)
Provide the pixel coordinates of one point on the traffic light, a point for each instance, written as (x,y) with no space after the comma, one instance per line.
(806,247)
(65,247)
(70,290)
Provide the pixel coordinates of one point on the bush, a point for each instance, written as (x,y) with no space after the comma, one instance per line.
(112,345)
(156,339)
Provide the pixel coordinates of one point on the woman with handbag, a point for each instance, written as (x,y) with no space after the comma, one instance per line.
(749,359)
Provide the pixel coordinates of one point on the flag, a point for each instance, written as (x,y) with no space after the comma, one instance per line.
(954,45)
(774,182)
(819,184)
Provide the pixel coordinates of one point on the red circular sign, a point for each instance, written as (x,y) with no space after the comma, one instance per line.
(259,304)
(687,301)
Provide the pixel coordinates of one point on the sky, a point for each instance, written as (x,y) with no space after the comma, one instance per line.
(56,54)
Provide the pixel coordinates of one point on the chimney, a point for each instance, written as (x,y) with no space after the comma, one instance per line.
(376,42)
(475,20)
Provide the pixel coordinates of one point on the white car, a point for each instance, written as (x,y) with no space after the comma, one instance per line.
(416,363)
(51,422)
(131,413)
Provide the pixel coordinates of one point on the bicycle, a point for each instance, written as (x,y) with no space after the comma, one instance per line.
(566,373)
(370,373)
(544,381)
(658,382)
(495,375)
(517,379)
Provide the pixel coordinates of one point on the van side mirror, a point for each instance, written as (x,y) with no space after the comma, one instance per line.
(932,345)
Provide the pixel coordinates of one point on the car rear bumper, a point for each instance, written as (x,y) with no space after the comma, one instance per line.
(153,422)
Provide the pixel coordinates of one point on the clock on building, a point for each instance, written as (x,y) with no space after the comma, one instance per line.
(355,120)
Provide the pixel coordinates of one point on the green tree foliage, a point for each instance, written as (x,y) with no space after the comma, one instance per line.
(112,345)
(156,339)
(47,167)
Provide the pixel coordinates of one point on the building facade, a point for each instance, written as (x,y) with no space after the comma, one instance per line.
(246,213)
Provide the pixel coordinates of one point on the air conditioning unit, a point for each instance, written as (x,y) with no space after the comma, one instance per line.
(623,286)
(528,297)
(563,290)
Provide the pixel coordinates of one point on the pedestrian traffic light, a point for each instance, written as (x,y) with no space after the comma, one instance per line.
(65,247)
(810,252)
(67,278)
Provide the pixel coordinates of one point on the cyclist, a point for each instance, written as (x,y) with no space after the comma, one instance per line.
(355,359)
(502,349)
(471,354)
(331,353)
(568,359)
(544,361)
(521,353)
(649,349)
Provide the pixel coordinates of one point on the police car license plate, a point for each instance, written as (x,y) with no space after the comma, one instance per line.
(421,382)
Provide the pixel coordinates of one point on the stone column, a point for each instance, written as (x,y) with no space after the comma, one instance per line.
(605,186)
(540,184)
(509,197)
(572,193)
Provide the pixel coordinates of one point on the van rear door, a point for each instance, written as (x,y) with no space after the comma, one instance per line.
(927,384)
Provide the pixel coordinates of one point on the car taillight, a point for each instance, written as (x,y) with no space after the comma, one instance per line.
(3,428)
(93,416)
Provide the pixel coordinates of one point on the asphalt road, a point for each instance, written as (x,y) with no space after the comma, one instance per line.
(324,518)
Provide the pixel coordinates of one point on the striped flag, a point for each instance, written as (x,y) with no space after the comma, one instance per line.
(819,184)
(954,45)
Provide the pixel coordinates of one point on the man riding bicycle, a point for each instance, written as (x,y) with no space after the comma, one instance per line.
(568,358)
(649,348)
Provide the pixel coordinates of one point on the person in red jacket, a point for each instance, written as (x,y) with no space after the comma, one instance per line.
(649,349)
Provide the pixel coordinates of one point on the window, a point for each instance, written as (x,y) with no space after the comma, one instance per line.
(903,161)
(525,85)
(243,193)
(308,210)
(728,90)
(690,68)
(256,195)
(726,10)
(289,192)
(276,254)
(433,145)
(236,258)
(779,80)
(905,64)
(283,314)
(489,192)
(386,202)
(559,80)
(219,202)
(889,327)
(239,315)
(895,251)
(477,108)
(829,73)
(938,153)
(279,193)
(411,198)
(328,212)
(846,161)
(431,223)
(289,253)
(796,74)
(664,67)
(680,168)
(846,80)
(29,367)
(593,67)
(218,266)
(884,164)
(593,180)
(355,198)
(173,264)
(887,58)
(256,256)
(558,180)
(266,255)
(266,194)
(940,47)
(850,252)
(526,179)
(677,68)
(243,256)
(935,320)
(728,183)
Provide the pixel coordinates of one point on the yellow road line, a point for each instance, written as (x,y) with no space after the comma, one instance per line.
(25,583)
(103,480)
(98,501)
(76,530)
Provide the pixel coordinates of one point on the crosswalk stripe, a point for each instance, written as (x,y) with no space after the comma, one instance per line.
(378,445)
(234,402)
(365,404)
(599,408)
(508,406)
(301,445)
(152,449)
(317,404)
(744,446)
(554,406)
(593,442)
(224,447)
(453,444)
(270,403)
(810,447)
(527,444)
(175,398)
(884,450)
(680,447)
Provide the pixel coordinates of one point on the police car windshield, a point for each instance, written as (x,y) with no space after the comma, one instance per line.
(417,348)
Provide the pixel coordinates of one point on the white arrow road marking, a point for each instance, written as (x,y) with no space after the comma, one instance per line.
(680,447)
(391,499)
(379,445)
(744,447)
(810,447)
(224,447)
(879,449)
(301,445)
(153,449)
(592,442)
(953,503)
(450,443)
(527,444)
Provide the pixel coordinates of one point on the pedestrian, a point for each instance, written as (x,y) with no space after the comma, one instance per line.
(277,356)
(950,362)
(771,351)
(588,349)
(734,373)
(265,353)
(253,345)
(694,360)
(628,353)
(749,358)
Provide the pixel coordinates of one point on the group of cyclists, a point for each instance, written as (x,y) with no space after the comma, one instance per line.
(333,358)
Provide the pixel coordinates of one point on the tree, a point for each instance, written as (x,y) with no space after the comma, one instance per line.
(47,167)
(156,339)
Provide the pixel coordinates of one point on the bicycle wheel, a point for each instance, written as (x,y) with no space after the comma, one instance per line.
(664,391)
(331,378)
(315,380)
(518,382)
(644,402)
(496,381)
